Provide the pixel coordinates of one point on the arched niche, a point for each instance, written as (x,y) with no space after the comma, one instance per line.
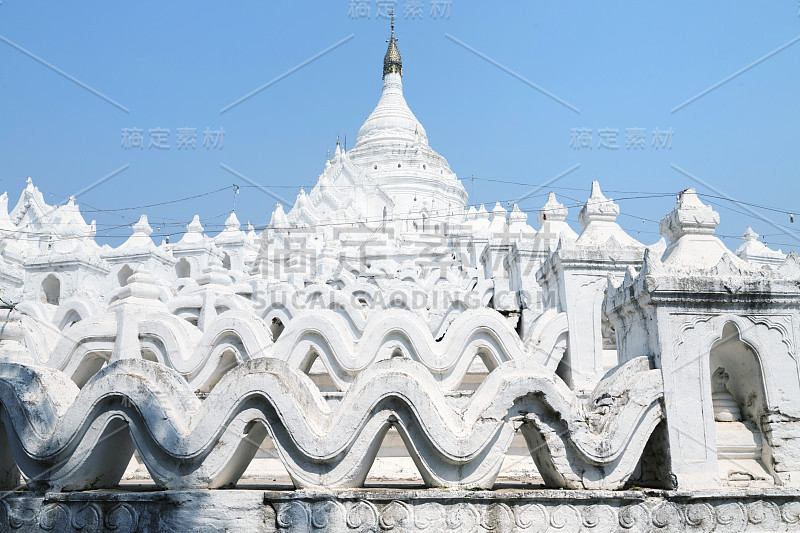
(226,262)
(124,273)
(746,380)
(183,269)
(739,404)
(51,290)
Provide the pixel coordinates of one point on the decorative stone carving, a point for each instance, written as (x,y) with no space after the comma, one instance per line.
(677,309)
(382,316)
(322,447)
(725,407)
(517,511)
(755,251)
(689,217)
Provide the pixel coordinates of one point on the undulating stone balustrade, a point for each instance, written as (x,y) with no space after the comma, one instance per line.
(63,437)
(436,304)
(202,357)
(189,358)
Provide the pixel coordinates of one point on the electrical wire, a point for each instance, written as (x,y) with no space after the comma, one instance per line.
(168,202)
(167,222)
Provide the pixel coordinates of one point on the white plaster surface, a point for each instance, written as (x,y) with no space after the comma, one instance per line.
(379,329)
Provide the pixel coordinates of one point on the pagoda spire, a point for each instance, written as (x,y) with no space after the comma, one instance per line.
(392,62)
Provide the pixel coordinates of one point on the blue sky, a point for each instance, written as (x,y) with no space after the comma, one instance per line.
(624,65)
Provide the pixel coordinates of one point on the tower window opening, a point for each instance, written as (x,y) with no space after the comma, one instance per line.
(124,273)
(183,269)
(51,290)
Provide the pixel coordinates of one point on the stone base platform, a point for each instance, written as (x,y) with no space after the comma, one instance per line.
(503,510)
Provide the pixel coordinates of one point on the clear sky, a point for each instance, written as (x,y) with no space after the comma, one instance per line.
(512,91)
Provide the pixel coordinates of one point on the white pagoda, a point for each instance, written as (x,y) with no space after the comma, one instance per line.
(383,331)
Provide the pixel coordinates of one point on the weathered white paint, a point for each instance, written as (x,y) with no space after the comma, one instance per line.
(380,308)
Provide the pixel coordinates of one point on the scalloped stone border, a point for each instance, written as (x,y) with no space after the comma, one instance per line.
(403,510)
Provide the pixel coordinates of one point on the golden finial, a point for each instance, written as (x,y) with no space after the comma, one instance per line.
(392,62)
